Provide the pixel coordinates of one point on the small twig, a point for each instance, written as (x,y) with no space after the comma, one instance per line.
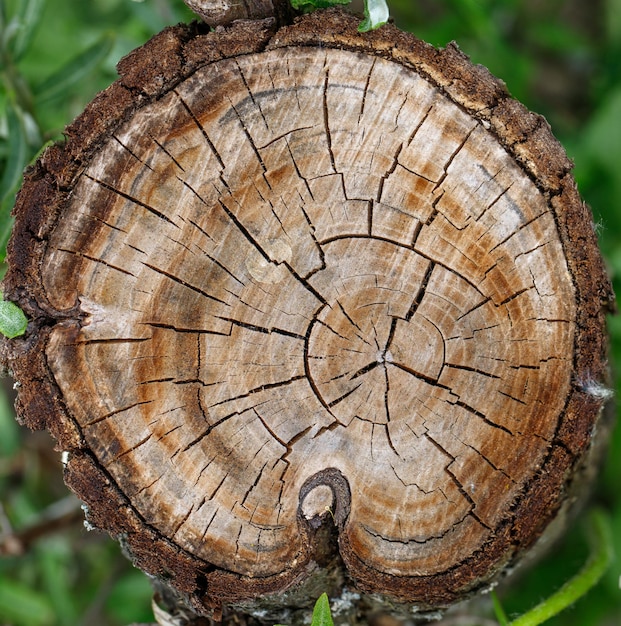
(600,537)
(55,518)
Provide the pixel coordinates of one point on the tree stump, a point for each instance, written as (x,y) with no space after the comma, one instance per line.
(310,310)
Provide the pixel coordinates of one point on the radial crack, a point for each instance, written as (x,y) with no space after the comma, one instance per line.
(131,199)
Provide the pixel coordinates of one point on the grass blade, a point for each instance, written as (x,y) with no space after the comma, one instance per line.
(17,153)
(14,164)
(27,19)
(499,612)
(74,70)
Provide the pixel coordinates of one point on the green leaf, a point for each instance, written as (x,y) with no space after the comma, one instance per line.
(612,21)
(13,322)
(17,152)
(375,11)
(129,600)
(375,15)
(74,70)
(306,6)
(54,559)
(601,139)
(321,613)
(21,28)
(21,605)
(9,430)
(499,612)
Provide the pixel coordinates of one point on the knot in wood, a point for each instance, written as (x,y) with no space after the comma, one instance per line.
(325,494)
(312,278)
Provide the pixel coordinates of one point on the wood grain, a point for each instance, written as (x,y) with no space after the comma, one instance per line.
(320,285)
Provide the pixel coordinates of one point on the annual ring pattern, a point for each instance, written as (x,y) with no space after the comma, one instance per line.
(314,293)
(306,269)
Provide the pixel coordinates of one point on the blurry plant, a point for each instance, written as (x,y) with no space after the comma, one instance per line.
(21,134)
(599,536)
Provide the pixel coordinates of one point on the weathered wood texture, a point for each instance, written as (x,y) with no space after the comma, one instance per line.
(283,282)
(223,12)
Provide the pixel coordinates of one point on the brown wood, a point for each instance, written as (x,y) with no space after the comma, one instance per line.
(311,310)
(223,12)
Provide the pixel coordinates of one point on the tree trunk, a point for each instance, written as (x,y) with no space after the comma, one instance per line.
(310,311)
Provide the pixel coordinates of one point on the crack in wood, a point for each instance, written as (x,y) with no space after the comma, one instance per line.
(131,199)
(184,283)
(259,389)
(162,147)
(366,90)
(261,329)
(326,125)
(201,128)
(125,147)
(133,448)
(361,286)
(107,416)
(97,260)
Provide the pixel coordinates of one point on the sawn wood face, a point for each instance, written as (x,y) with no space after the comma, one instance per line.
(297,279)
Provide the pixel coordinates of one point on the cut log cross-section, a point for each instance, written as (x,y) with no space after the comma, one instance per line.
(290,280)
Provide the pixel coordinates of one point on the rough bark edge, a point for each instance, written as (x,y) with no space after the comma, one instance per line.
(151,71)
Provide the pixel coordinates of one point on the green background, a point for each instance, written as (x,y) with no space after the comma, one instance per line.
(562,58)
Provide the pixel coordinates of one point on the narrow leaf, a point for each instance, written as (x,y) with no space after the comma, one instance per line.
(14,164)
(501,616)
(13,322)
(9,430)
(6,225)
(17,154)
(27,19)
(321,613)
(74,70)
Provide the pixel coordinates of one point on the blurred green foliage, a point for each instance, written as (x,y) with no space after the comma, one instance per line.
(562,58)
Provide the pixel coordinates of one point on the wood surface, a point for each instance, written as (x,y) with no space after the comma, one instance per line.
(306,300)
(223,12)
